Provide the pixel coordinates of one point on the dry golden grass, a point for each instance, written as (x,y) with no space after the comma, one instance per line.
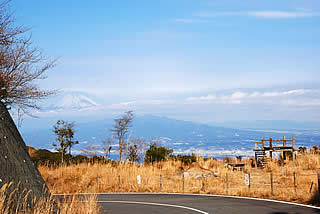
(84,178)
(9,204)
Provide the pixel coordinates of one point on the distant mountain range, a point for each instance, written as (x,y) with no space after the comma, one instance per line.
(182,136)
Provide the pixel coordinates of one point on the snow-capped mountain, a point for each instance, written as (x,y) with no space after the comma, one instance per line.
(75,101)
(68,101)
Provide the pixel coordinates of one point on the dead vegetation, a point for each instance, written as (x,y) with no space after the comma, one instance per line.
(10,204)
(205,176)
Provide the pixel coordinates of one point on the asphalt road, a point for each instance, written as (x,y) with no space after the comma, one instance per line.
(179,203)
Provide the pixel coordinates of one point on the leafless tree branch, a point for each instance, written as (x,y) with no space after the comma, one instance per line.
(21,64)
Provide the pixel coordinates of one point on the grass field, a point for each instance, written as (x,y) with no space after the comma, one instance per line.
(208,176)
(205,176)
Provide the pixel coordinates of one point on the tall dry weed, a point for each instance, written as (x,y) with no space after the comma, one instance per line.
(10,204)
(174,177)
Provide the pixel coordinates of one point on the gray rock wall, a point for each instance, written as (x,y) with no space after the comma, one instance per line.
(15,163)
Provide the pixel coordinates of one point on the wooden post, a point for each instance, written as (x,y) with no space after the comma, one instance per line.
(97,182)
(227,183)
(283,152)
(270,141)
(319,182)
(293,158)
(271,181)
(295,181)
(255,159)
(119,183)
(311,187)
(293,142)
(160,182)
(203,183)
(182,182)
(293,152)
(249,181)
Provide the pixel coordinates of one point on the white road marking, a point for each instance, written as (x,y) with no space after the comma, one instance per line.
(190,194)
(155,204)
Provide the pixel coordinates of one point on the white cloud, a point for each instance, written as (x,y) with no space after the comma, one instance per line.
(83,142)
(234,98)
(208,98)
(280,14)
(139,104)
(284,93)
(290,97)
(123,105)
(255,94)
(268,14)
(238,95)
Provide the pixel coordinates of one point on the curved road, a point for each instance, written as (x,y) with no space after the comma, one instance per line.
(183,203)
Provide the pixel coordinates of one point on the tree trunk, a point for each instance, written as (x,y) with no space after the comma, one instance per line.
(16,164)
(62,157)
(120,149)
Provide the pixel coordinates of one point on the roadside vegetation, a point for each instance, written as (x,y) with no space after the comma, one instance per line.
(10,204)
(190,174)
(153,168)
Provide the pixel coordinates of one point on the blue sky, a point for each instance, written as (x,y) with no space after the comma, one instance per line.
(196,60)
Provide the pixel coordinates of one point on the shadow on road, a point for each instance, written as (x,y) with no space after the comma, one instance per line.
(315,199)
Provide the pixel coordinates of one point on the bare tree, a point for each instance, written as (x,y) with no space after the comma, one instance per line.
(20,65)
(133,155)
(107,146)
(140,146)
(91,150)
(120,130)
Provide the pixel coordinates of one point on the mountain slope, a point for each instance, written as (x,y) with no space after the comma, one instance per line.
(71,100)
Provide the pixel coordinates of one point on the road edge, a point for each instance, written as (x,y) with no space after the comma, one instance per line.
(191,194)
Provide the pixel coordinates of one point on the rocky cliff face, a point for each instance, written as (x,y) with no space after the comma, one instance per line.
(15,163)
